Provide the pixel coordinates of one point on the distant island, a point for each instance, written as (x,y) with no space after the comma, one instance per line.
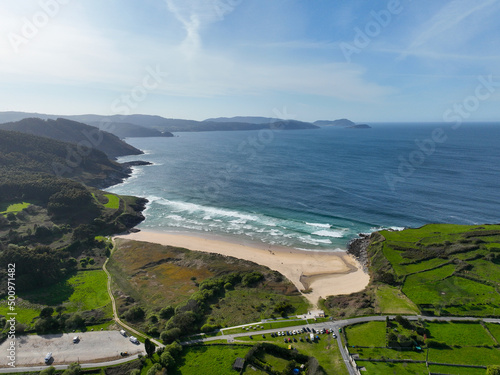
(344,123)
(156,126)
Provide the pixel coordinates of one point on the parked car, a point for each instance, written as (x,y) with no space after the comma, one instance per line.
(48,358)
(76,339)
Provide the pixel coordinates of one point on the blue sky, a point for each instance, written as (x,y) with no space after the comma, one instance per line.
(369,61)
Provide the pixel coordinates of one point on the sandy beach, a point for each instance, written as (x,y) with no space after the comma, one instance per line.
(326,273)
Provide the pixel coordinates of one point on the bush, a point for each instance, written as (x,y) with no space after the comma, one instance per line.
(134,314)
(208,328)
(153,370)
(48,371)
(75,321)
(73,369)
(170,335)
(167,312)
(251,278)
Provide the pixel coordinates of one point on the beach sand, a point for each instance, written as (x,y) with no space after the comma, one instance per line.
(326,273)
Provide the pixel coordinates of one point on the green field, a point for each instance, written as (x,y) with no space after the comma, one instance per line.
(210,360)
(461,334)
(113,201)
(366,334)
(276,363)
(466,356)
(465,343)
(450,370)
(390,300)
(494,329)
(444,269)
(367,353)
(15,208)
(86,290)
(383,368)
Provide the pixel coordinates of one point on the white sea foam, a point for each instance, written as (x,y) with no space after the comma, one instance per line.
(374,229)
(319,225)
(313,241)
(330,233)
(178,206)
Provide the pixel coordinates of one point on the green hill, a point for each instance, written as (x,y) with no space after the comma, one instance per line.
(32,154)
(441,269)
(48,220)
(85,136)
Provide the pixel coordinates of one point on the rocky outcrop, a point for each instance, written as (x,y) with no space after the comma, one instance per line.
(358,248)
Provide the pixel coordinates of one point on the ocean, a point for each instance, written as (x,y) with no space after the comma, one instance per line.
(317,189)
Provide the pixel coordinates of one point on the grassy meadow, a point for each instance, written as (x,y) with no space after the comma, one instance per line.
(439,269)
(155,276)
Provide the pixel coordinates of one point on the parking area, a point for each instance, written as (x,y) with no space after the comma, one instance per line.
(90,347)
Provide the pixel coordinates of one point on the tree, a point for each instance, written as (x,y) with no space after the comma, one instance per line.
(174,348)
(76,321)
(167,360)
(150,347)
(493,370)
(170,336)
(135,313)
(46,312)
(167,312)
(135,372)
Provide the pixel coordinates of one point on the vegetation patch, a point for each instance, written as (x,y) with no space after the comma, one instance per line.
(210,360)
(386,368)
(391,300)
(452,370)
(460,334)
(14,208)
(113,201)
(87,290)
(466,356)
(325,349)
(173,292)
(367,334)
(442,269)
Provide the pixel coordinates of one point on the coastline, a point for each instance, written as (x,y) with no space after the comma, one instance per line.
(326,273)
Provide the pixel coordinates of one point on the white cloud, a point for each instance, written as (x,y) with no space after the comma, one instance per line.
(442,27)
(196,14)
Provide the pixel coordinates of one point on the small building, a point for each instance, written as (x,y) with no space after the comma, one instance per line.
(317,313)
(239,364)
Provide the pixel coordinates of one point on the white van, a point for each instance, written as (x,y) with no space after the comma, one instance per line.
(134,340)
(48,357)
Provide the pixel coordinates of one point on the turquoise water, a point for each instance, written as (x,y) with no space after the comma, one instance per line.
(317,189)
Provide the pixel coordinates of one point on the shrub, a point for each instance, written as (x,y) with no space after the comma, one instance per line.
(134,314)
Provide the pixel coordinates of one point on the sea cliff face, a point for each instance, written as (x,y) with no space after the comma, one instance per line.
(358,246)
